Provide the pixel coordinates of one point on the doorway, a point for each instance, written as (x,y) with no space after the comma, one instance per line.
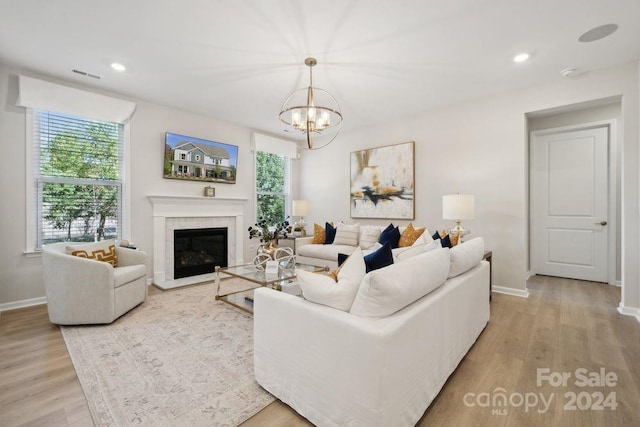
(575,191)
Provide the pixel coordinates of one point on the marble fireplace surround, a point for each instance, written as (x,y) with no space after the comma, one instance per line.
(181,212)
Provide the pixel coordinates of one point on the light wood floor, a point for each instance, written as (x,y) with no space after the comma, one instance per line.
(564,325)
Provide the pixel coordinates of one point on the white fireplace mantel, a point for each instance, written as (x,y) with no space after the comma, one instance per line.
(164,207)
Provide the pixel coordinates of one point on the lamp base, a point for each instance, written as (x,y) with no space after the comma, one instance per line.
(459,231)
(299,227)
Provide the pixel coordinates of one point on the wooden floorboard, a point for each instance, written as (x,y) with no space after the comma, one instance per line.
(564,325)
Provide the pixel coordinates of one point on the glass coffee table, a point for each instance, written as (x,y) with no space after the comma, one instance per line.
(243,299)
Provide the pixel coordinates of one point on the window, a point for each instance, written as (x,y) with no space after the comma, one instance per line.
(183,156)
(197,157)
(272,186)
(78,178)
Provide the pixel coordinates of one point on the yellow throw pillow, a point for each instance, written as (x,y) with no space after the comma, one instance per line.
(318,235)
(100,251)
(410,235)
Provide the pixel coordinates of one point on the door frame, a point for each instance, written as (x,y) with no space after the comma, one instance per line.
(612,211)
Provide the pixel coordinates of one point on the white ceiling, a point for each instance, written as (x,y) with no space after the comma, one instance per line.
(382,59)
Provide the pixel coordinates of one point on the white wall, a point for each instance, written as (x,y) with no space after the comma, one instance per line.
(21,276)
(480,147)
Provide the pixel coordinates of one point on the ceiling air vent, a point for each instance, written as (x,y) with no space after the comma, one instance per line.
(84,73)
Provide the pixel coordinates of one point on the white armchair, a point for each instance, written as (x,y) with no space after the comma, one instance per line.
(86,291)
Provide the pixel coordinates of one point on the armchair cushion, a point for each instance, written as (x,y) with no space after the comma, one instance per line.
(124,275)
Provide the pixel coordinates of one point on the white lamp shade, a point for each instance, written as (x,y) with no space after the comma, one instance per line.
(301,208)
(458,206)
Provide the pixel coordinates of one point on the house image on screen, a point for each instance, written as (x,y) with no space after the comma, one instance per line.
(201,161)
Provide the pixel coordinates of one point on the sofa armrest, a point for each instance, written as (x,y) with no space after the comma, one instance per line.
(302,241)
(128,256)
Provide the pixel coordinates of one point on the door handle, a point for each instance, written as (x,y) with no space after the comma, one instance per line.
(601,223)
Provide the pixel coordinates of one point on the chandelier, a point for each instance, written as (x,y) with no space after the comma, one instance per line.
(311,115)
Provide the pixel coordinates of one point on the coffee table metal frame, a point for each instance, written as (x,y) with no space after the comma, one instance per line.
(249,273)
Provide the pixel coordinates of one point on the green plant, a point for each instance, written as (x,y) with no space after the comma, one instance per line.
(266,232)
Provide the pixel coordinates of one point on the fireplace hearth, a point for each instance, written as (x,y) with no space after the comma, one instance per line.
(198,251)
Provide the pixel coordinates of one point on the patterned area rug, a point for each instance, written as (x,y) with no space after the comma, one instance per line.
(180,358)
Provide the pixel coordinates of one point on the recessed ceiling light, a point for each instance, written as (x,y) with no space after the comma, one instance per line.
(598,33)
(117,66)
(521,57)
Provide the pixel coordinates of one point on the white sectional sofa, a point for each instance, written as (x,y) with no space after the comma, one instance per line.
(327,255)
(339,368)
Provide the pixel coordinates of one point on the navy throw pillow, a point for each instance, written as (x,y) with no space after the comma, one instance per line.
(342,258)
(329,233)
(379,259)
(390,235)
(446,242)
(436,235)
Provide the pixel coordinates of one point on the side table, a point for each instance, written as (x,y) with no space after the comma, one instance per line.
(488,257)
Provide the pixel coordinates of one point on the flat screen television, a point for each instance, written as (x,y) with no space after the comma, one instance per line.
(195,159)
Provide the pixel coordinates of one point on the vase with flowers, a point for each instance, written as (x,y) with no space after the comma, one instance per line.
(268,234)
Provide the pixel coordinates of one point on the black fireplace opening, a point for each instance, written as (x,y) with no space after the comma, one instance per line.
(198,251)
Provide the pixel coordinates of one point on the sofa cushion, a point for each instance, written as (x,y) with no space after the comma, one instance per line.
(104,250)
(318,234)
(400,254)
(410,235)
(369,236)
(379,259)
(444,238)
(323,289)
(328,252)
(387,290)
(124,275)
(390,234)
(329,233)
(374,259)
(347,234)
(466,255)
(425,238)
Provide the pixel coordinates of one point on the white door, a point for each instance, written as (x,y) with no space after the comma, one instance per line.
(569,200)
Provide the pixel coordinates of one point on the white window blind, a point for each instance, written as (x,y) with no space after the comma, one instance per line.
(78,178)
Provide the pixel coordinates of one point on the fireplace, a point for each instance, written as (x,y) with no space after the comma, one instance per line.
(198,251)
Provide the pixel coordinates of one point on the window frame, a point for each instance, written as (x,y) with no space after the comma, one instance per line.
(31,208)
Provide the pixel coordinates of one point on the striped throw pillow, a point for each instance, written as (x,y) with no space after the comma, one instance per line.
(347,235)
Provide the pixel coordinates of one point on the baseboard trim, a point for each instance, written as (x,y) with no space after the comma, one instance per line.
(617,283)
(528,276)
(22,303)
(629,311)
(510,291)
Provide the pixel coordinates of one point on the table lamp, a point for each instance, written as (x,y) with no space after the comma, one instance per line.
(301,208)
(458,207)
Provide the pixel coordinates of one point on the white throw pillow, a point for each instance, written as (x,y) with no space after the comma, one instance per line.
(400,254)
(369,236)
(347,234)
(425,238)
(387,290)
(322,289)
(465,256)
(435,244)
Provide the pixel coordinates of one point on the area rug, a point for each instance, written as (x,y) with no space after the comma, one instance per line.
(180,358)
